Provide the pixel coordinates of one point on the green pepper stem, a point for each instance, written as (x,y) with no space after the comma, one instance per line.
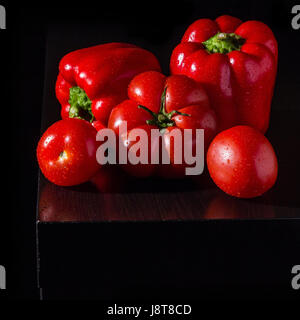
(223,43)
(80,105)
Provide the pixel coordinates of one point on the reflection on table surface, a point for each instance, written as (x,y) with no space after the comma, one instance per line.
(113,196)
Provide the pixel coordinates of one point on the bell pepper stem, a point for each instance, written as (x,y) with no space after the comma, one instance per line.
(223,43)
(80,105)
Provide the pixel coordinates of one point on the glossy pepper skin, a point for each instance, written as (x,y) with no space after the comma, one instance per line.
(91,81)
(236,63)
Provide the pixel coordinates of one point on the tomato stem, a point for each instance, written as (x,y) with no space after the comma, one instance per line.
(162,119)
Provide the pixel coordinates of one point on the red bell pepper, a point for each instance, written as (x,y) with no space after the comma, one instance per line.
(165,103)
(236,63)
(93,80)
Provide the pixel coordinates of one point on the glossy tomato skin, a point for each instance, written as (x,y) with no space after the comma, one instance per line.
(242,162)
(66,152)
(127,113)
(203,118)
(141,170)
(182,94)
(98,125)
(146,89)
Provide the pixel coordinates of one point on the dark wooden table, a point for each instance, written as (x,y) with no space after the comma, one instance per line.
(177,238)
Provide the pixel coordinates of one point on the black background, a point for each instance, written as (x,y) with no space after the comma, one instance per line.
(23,56)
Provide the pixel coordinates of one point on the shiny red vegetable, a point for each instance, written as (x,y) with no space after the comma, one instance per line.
(67,152)
(242,162)
(93,80)
(165,103)
(236,63)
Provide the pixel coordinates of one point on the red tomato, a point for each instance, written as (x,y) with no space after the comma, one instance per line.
(67,152)
(167,103)
(242,162)
(98,125)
